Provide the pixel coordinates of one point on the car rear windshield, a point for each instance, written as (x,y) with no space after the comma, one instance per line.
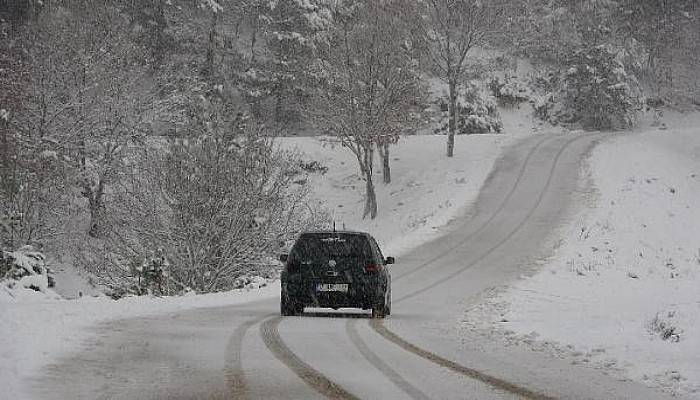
(322,247)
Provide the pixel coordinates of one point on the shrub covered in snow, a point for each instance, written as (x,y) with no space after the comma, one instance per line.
(477,112)
(593,89)
(206,209)
(24,269)
(596,89)
(509,92)
(546,80)
(251,282)
(544,107)
(313,167)
(544,94)
(665,325)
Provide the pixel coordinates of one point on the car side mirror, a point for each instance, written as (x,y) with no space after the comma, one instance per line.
(284,257)
(389,260)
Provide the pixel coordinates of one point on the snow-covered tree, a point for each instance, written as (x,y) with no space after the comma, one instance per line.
(24,268)
(596,89)
(477,112)
(291,31)
(508,92)
(31,176)
(667,30)
(369,84)
(451,29)
(149,20)
(217,198)
(545,30)
(581,44)
(89,97)
(12,76)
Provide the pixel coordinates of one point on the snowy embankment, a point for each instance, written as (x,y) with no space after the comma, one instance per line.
(622,290)
(35,332)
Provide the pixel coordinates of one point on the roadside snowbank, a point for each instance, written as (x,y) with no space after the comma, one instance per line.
(622,290)
(35,332)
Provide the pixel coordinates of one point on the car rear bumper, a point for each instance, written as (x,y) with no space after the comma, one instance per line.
(356,297)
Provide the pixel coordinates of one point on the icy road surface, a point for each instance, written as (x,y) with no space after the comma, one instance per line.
(250,352)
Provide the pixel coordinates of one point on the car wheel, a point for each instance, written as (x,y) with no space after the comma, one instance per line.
(387,304)
(287,306)
(379,309)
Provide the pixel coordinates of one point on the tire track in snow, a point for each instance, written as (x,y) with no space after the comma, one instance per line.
(486,223)
(412,391)
(319,382)
(512,233)
(382,330)
(234,372)
(498,383)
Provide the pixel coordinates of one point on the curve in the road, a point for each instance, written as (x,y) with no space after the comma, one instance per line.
(486,223)
(458,368)
(271,337)
(508,236)
(235,375)
(382,330)
(315,379)
(412,391)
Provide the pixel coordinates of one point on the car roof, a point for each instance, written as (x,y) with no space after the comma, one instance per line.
(335,232)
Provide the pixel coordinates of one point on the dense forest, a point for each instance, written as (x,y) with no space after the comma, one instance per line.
(133,130)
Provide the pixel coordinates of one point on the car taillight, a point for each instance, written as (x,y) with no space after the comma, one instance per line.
(373,268)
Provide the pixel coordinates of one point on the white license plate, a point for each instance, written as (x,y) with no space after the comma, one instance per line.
(331,287)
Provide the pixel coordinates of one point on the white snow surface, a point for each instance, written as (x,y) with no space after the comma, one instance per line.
(428,189)
(72,283)
(40,329)
(621,290)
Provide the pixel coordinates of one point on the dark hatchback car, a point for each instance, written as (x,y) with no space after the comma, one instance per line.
(334,270)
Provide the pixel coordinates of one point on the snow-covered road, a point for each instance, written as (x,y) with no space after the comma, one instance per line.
(248,351)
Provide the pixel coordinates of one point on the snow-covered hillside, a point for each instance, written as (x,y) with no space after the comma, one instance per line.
(622,289)
(427,188)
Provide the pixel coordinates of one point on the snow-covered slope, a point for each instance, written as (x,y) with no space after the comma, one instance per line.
(427,188)
(622,290)
(72,282)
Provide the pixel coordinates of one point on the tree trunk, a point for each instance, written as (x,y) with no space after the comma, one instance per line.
(96,207)
(366,166)
(161,25)
(237,26)
(278,103)
(6,155)
(370,198)
(253,40)
(386,167)
(7,187)
(453,118)
(211,48)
